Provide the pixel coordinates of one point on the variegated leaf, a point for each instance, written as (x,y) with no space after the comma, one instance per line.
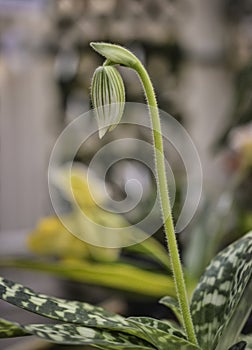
(163,335)
(75,335)
(79,335)
(220,290)
(60,309)
(230,334)
(68,311)
(10,329)
(172,304)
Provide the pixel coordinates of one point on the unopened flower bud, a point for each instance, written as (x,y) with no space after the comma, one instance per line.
(115,54)
(108,98)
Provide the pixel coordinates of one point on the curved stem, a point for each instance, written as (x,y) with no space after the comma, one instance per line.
(165,203)
(115,54)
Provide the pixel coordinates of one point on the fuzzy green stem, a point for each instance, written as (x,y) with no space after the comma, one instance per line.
(115,54)
(165,203)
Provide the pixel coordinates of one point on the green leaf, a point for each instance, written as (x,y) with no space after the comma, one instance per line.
(67,311)
(10,329)
(81,317)
(218,295)
(61,309)
(238,319)
(80,335)
(151,247)
(74,335)
(163,335)
(87,324)
(172,304)
(119,276)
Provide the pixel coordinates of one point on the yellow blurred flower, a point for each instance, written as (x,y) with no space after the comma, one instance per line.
(52,238)
(77,187)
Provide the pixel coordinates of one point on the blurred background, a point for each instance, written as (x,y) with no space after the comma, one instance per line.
(199,56)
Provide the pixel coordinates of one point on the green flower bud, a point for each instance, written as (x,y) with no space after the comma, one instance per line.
(115,54)
(108,98)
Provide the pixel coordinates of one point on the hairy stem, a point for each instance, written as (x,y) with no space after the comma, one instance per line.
(116,54)
(165,203)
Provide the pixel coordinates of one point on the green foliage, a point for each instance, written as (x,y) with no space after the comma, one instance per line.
(59,309)
(119,276)
(172,304)
(10,329)
(162,335)
(220,306)
(79,335)
(220,295)
(87,324)
(69,333)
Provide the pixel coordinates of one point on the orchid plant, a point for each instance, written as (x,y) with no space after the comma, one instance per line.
(221,302)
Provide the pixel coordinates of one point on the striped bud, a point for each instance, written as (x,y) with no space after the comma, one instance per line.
(108,98)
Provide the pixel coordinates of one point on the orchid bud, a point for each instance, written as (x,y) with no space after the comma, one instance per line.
(108,98)
(115,54)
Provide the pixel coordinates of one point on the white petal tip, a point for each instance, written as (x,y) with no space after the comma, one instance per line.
(102,132)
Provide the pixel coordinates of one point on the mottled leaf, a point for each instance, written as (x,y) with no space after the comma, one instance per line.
(10,329)
(67,311)
(232,330)
(64,310)
(163,335)
(172,304)
(57,308)
(220,290)
(80,335)
(76,335)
